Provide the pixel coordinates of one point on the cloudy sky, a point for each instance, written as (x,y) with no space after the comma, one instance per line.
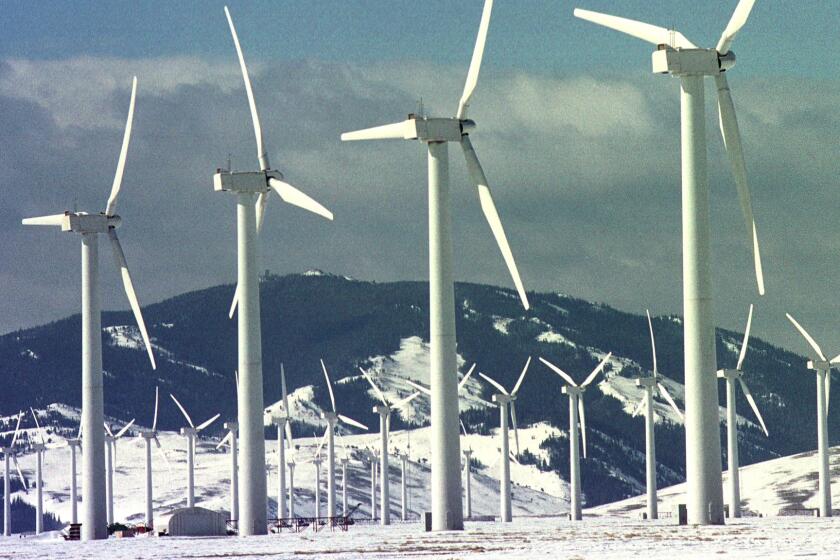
(579,140)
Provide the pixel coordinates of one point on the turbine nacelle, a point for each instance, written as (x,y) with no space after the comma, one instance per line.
(244,181)
(330,417)
(382,410)
(646,382)
(569,390)
(729,373)
(189,431)
(691,62)
(821,365)
(501,399)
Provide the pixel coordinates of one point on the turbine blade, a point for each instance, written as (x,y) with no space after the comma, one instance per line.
(652,343)
(463,428)
(376,390)
(128,285)
(224,440)
(644,31)
(492,215)
(521,377)
(20,475)
(422,389)
(753,405)
(262,155)
(52,220)
(515,428)
(329,385)
(732,142)
(401,403)
(582,414)
(475,63)
(352,422)
(670,400)
(283,391)
(111,206)
(639,407)
(404,130)
(746,341)
(807,337)
(234,303)
(162,453)
(207,423)
(17,429)
(736,22)
(566,377)
(127,427)
(494,383)
(157,401)
(183,411)
(321,444)
(597,370)
(108,429)
(295,197)
(470,372)
(38,427)
(835,359)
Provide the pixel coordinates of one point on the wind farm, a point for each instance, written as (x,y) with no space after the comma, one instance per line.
(386,385)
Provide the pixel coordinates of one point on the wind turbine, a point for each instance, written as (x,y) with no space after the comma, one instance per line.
(332,419)
(148,437)
(384,411)
(731,375)
(9,454)
(74,444)
(679,57)
(231,440)
(252,190)
(39,449)
(437,133)
(575,393)
(652,385)
(822,366)
(284,430)
(191,432)
(504,399)
(110,464)
(94,514)
(468,474)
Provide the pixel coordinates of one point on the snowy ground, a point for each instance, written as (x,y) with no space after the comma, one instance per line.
(607,538)
(769,488)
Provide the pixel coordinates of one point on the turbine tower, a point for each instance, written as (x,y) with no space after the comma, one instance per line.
(822,366)
(332,419)
(284,430)
(467,475)
(191,432)
(111,463)
(679,57)
(652,385)
(74,444)
(150,436)
(384,411)
(731,375)
(506,400)
(252,190)
(437,133)
(89,226)
(9,454)
(575,393)
(230,439)
(39,449)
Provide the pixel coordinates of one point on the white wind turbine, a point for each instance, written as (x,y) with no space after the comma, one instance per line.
(148,437)
(284,432)
(437,133)
(39,449)
(504,400)
(822,366)
(384,411)
(575,393)
(332,419)
(652,385)
(679,57)
(110,465)
(231,440)
(467,474)
(94,522)
(9,455)
(191,432)
(252,190)
(75,445)
(731,375)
